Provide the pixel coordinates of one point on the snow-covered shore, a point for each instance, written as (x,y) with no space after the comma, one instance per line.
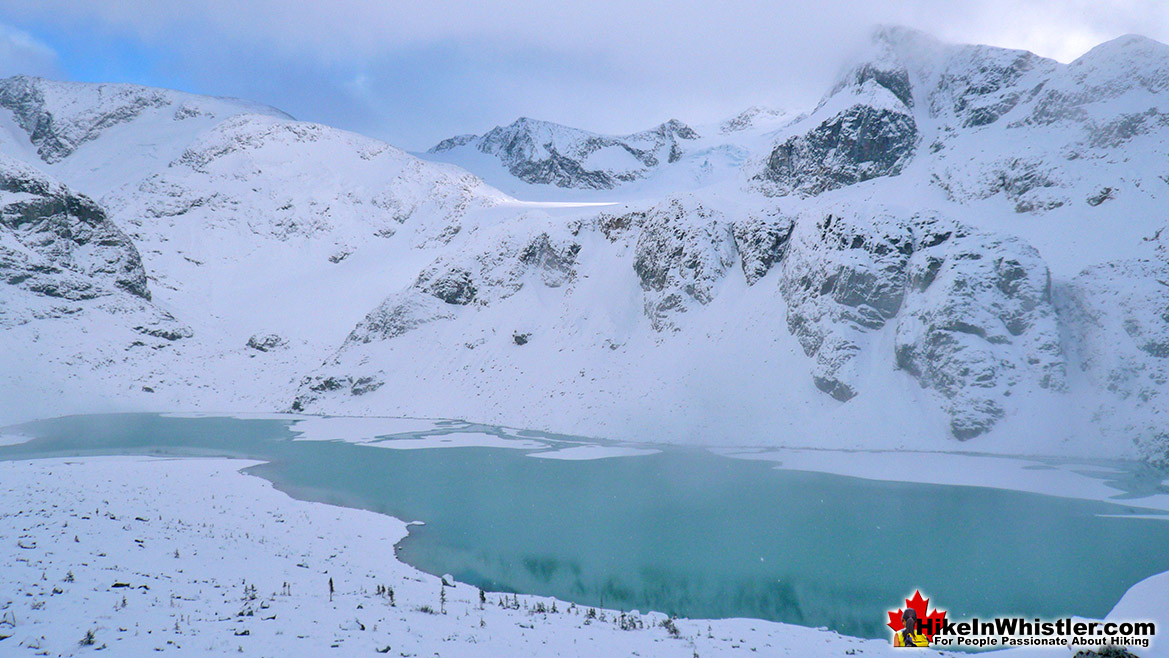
(192,556)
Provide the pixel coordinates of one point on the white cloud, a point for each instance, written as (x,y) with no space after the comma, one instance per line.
(610,65)
(20,53)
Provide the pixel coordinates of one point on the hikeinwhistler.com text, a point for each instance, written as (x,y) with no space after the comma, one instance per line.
(1019,632)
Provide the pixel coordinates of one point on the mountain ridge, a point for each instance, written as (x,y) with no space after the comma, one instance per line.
(959,247)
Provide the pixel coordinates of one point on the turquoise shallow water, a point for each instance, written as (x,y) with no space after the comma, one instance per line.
(684,531)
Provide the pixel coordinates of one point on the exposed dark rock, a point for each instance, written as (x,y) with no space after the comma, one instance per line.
(171,332)
(760,242)
(68,231)
(555,262)
(683,252)
(55,138)
(842,277)
(1102,196)
(267,342)
(453,287)
(399,314)
(978,322)
(856,145)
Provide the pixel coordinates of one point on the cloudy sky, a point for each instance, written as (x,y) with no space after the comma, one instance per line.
(413,72)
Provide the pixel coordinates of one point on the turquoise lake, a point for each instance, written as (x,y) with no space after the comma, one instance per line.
(683,531)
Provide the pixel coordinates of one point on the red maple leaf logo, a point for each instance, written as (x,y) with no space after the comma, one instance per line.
(929,623)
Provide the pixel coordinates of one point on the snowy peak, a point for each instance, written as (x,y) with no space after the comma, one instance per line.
(947,81)
(541,152)
(753,117)
(996,106)
(1124,63)
(884,63)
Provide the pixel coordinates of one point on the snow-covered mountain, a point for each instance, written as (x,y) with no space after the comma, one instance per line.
(539,159)
(262,238)
(959,246)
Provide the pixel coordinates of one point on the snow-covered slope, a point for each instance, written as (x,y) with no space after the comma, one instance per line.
(98,136)
(958,243)
(270,226)
(268,238)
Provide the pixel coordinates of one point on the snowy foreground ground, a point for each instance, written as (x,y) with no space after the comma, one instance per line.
(191,556)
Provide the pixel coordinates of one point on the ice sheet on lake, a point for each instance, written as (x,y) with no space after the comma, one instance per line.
(458,440)
(584,452)
(1067,479)
(13,439)
(358,430)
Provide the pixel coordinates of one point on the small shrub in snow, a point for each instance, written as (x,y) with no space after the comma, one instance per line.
(671,627)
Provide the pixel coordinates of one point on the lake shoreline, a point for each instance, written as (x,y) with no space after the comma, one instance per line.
(165,558)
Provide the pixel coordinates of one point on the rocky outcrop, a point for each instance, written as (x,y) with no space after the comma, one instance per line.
(683,252)
(978,321)
(874,137)
(500,268)
(59,243)
(455,283)
(57,136)
(399,314)
(267,342)
(66,269)
(972,313)
(761,240)
(981,84)
(1031,184)
(842,278)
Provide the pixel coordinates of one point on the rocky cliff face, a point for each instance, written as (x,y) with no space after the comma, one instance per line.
(966,314)
(60,243)
(864,129)
(683,253)
(843,278)
(971,313)
(978,323)
(912,101)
